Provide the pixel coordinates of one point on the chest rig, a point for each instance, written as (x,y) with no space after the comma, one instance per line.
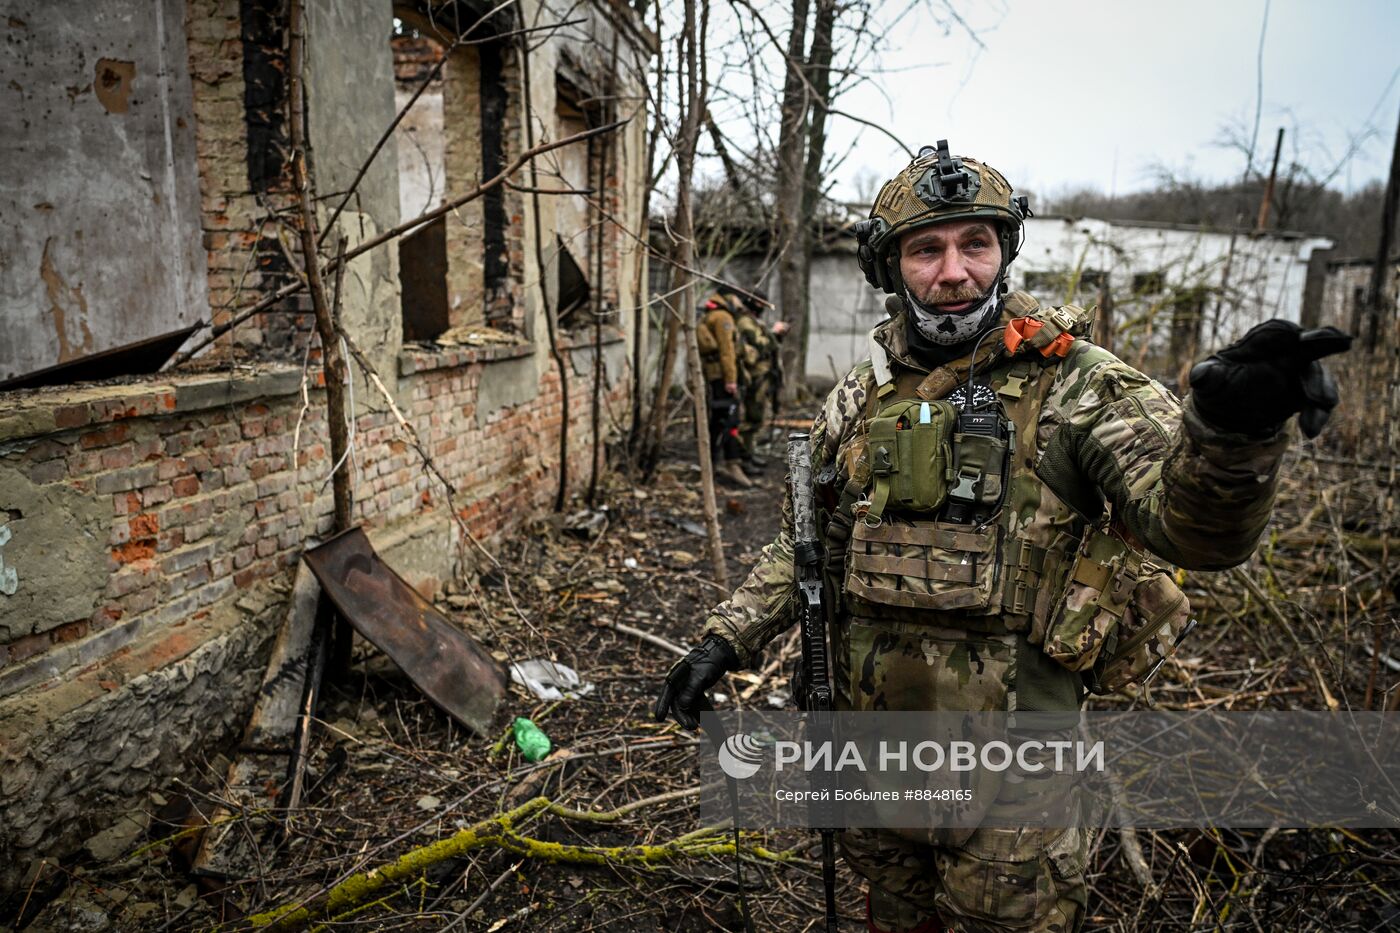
(948,523)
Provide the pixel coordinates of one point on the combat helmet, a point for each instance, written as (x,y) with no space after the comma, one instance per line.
(935,187)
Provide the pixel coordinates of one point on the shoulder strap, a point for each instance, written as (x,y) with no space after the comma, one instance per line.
(880,362)
(1048,330)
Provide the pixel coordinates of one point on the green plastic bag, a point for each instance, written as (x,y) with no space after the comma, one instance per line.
(533,743)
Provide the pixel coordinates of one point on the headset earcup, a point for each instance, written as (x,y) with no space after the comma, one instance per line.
(887,278)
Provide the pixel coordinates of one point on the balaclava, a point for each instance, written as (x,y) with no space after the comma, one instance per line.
(947,329)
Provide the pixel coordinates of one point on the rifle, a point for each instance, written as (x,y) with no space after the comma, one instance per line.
(817,698)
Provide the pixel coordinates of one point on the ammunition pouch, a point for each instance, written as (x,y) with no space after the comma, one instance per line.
(1158,618)
(910,459)
(920,565)
(1116,616)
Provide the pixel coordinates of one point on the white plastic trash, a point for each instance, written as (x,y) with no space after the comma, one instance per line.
(549,680)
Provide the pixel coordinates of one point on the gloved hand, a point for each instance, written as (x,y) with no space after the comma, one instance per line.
(1271,373)
(691,676)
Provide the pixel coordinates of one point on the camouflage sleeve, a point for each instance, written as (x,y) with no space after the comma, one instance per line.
(761,608)
(1193,495)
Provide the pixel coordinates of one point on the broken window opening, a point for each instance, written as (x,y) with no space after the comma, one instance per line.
(574,291)
(423,281)
(423,275)
(1149,283)
(1055,286)
(584,233)
(500,306)
(462,137)
(1091,282)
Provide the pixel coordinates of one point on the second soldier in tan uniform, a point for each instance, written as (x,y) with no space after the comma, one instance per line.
(760,371)
(718,341)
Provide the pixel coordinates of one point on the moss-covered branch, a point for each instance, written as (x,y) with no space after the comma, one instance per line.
(501,831)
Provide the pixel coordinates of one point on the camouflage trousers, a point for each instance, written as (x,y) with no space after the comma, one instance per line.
(997,880)
(758,404)
(984,879)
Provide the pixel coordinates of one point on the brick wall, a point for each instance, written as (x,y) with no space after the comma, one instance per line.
(242,185)
(203,501)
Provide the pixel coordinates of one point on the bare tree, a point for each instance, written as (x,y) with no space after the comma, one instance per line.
(692,58)
(788,188)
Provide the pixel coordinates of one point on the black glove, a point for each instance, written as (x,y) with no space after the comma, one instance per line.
(691,676)
(1270,374)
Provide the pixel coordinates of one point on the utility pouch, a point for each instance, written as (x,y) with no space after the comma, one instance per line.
(1158,618)
(920,564)
(979,462)
(1092,602)
(910,460)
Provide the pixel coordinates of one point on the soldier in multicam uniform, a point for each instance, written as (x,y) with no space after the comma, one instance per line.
(1006,587)
(760,371)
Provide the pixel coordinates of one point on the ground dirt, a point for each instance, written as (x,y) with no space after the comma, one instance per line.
(390,773)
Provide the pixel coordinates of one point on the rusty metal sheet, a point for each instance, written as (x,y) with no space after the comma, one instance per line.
(132,359)
(442,660)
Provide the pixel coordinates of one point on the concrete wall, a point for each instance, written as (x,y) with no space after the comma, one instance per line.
(100,240)
(1345,290)
(349,101)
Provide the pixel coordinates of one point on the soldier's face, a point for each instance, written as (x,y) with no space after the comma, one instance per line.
(950,266)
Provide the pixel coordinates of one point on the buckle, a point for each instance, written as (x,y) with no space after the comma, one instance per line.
(1018,598)
(1061,319)
(1023,556)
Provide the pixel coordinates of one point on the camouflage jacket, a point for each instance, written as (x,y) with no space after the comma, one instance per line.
(758,349)
(1194,496)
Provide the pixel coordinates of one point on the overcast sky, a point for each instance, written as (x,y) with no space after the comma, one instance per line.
(1097,92)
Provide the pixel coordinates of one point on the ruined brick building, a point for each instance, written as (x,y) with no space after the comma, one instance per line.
(150,518)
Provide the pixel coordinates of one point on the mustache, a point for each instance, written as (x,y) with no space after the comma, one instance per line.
(947,296)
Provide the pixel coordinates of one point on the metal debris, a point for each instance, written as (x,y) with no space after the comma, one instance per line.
(443,661)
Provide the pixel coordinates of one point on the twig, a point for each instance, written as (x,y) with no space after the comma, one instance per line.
(648,637)
(490,889)
(1273,610)
(501,831)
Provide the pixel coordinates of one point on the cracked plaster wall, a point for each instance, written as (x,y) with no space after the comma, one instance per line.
(101,242)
